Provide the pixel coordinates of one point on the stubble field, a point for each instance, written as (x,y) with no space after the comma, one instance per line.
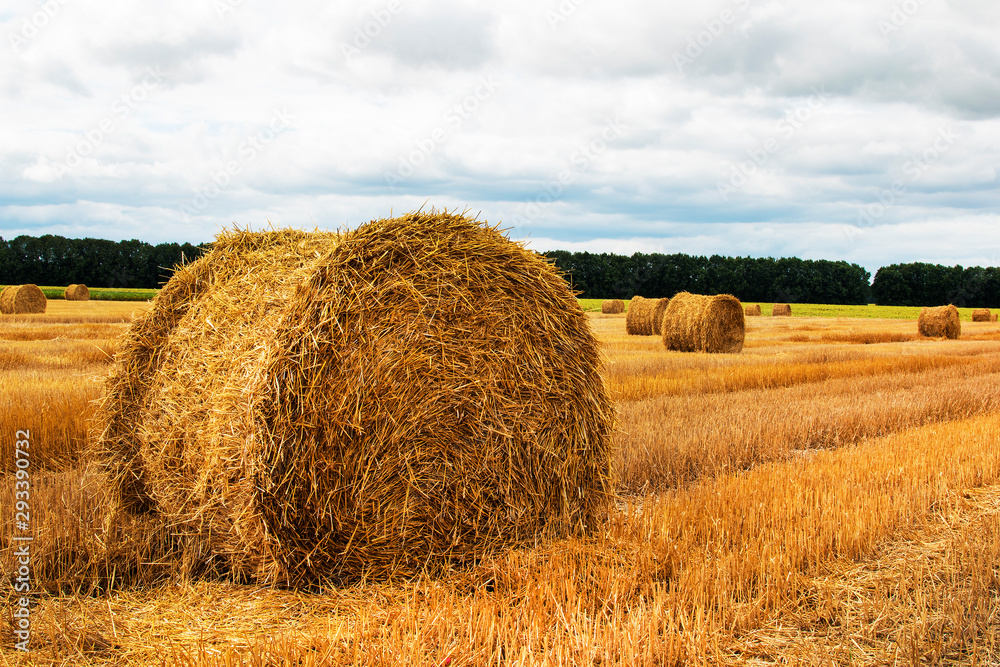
(829,495)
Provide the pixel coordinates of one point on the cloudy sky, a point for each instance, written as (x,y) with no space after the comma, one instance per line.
(864,130)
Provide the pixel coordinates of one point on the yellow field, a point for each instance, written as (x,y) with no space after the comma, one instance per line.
(831,495)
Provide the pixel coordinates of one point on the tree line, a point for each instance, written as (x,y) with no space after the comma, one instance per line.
(919,284)
(55,260)
(766,279)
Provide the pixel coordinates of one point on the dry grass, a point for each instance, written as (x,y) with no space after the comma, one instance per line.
(639,369)
(49,372)
(685,576)
(81,312)
(81,544)
(54,408)
(829,496)
(52,396)
(671,441)
(632,381)
(928,597)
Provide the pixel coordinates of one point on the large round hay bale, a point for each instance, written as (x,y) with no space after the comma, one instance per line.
(697,323)
(981,315)
(645,316)
(76,292)
(939,322)
(656,316)
(752,311)
(635,316)
(417,393)
(18,299)
(781,310)
(613,307)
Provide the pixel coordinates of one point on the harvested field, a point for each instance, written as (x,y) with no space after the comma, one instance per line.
(831,495)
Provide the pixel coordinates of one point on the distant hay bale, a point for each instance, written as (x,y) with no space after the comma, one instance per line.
(613,307)
(981,315)
(645,316)
(752,311)
(22,299)
(781,310)
(656,316)
(697,323)
(939,322)
(635,316)
(77,292)
(993,317)
(415,394)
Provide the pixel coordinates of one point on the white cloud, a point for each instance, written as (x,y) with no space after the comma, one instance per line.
(85,154)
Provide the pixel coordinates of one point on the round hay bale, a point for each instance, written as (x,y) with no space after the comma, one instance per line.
(939,322)
(981,315)
(697,323)
(77,292)
(781,310)
(18,299)
(635,316)
(417,393)
(656,316)
(645,316)
(613,307)
(752,311)
(993,318)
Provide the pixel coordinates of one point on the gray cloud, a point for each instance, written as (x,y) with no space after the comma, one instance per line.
(447,35)
(729,153)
